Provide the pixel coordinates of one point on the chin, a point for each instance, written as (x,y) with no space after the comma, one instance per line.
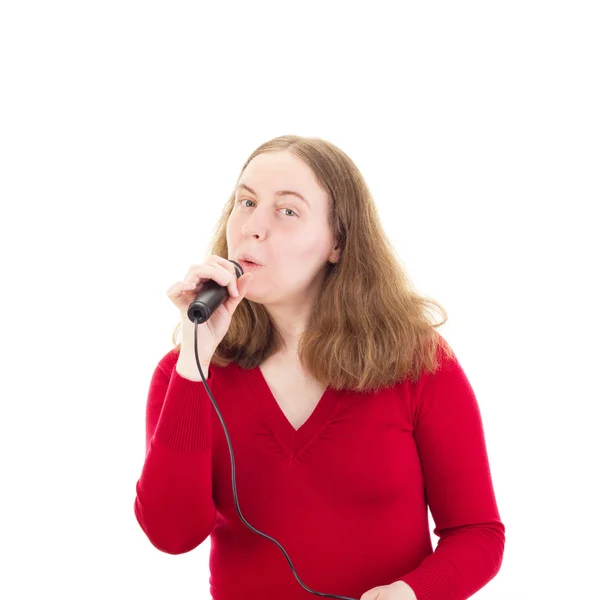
(251,297)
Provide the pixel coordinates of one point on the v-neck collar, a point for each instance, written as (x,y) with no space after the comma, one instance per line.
(293,441)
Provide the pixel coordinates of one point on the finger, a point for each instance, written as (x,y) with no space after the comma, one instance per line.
(231,303)
(229,266)
(215,260)
(178,289)
(230,279)
(216,272)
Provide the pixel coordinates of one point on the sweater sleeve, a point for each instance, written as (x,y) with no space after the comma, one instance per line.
(458,487)
(174,504)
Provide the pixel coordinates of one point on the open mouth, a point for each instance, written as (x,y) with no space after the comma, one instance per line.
(249,266)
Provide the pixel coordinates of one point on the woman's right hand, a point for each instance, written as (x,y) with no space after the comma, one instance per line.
(213,330)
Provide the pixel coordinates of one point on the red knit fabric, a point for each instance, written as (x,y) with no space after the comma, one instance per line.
(346,494)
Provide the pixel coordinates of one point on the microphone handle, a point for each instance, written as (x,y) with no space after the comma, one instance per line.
(210,296)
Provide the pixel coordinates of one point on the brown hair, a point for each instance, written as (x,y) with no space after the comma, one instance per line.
(369,328)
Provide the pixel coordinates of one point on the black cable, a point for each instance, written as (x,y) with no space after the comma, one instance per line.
(237,506)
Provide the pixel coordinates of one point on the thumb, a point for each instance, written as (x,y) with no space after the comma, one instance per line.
(243,282)
(242,285)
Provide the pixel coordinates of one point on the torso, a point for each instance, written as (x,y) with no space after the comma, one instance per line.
(296,392)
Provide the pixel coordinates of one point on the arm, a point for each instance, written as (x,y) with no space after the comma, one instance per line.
(451,443)
(173,503)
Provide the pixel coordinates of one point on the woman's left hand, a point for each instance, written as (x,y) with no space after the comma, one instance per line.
(395,591)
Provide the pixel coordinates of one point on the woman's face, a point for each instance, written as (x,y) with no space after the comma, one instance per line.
(289,237)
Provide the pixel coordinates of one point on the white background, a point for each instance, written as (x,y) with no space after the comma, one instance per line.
(123,128)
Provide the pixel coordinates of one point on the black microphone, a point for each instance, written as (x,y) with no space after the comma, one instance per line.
(210,297)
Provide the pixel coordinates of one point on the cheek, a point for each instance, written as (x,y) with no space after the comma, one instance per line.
(231,230)
(310,252)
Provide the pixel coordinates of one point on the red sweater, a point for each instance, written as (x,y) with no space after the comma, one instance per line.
(346,494)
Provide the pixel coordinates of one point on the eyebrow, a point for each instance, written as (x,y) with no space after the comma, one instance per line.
(279,193)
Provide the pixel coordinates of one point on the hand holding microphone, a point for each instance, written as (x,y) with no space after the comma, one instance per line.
(212,331)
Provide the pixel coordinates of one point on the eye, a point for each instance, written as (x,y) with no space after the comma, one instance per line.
(293,212)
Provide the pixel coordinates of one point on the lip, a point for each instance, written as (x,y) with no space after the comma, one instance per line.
(249,266)
(249,258)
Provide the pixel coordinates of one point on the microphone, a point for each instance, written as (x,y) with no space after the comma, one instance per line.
(210,297)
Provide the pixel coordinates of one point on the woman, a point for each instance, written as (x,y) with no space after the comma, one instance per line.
(348,413)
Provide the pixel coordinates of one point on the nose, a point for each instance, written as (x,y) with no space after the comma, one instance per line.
(254,226)
(252,231)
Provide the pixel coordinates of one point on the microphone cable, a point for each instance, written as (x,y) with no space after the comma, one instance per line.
(197,320)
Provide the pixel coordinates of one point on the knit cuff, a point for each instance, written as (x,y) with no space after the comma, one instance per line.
(433,579)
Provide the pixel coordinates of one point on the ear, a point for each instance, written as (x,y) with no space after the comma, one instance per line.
(335,255)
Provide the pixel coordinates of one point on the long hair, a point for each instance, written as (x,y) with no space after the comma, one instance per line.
(369,327)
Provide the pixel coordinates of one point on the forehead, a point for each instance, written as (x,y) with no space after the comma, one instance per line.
(272,171)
